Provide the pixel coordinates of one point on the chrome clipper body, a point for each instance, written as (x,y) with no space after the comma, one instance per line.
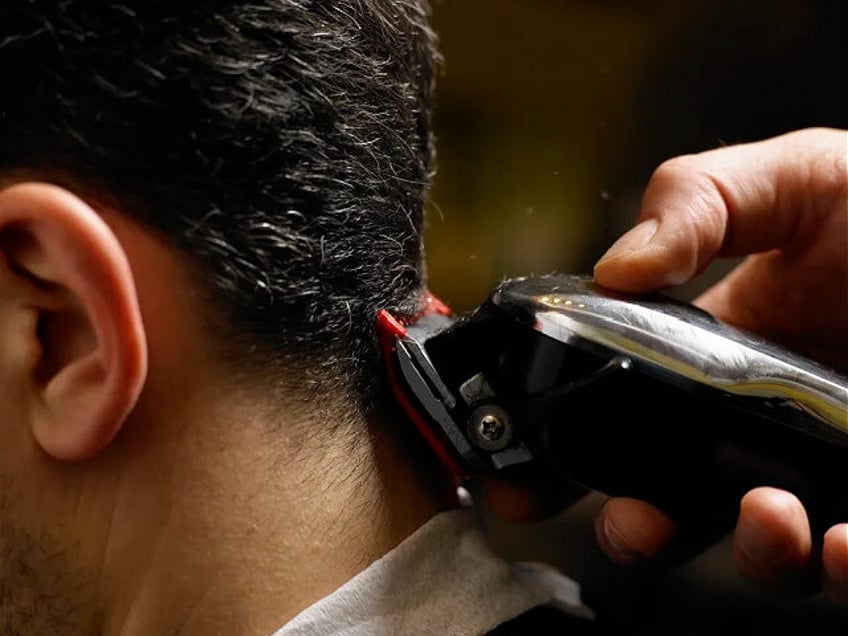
(641,396)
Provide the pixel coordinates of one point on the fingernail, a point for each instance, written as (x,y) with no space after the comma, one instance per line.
(754,544)
(612,540)
(632,241)
(837,573)
(836,569)
(835,582)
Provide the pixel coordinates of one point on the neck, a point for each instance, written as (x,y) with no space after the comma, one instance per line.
(244,533)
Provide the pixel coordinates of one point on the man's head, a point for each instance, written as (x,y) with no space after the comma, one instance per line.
(283,146)
(197,199)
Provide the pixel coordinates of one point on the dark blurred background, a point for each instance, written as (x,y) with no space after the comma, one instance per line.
(551,116)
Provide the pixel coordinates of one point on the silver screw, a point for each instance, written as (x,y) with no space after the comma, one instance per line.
(490,429)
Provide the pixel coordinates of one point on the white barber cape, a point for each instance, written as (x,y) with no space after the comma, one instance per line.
(442,580)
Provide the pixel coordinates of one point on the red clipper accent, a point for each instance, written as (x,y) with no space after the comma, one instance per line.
(389,330)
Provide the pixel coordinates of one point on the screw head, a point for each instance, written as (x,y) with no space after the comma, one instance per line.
(490,428)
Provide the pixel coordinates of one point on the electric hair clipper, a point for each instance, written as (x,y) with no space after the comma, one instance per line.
(642,396)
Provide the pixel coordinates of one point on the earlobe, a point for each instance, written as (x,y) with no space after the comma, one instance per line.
(91,360)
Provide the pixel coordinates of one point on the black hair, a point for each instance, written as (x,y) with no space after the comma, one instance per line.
(283,145)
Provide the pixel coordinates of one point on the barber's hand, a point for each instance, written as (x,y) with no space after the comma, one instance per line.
(783,203)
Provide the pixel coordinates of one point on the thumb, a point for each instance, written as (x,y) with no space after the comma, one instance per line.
(731,201)
(682,225)
(640,261)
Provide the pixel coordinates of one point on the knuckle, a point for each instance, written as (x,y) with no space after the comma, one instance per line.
(703,218)
(682,168)
(829,173)
(822,171)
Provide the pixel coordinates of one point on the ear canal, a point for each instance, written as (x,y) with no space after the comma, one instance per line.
(92,361)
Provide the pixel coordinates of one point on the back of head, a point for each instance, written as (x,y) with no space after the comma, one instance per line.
(283,146)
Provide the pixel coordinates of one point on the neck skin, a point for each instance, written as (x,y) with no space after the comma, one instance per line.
(210,513)
(238,533)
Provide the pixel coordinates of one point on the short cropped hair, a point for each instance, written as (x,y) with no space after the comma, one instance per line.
(284,146)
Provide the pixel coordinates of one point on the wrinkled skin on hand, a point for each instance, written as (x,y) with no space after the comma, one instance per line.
(782,204)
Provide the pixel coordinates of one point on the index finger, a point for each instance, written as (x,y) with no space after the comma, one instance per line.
(731,201)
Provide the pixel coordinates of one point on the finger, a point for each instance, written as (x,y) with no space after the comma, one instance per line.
(792,298)
(835,564)
(731,201)
(772,544)
(794,304)
(630,530)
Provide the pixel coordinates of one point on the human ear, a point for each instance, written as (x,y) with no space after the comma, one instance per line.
(65,275)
